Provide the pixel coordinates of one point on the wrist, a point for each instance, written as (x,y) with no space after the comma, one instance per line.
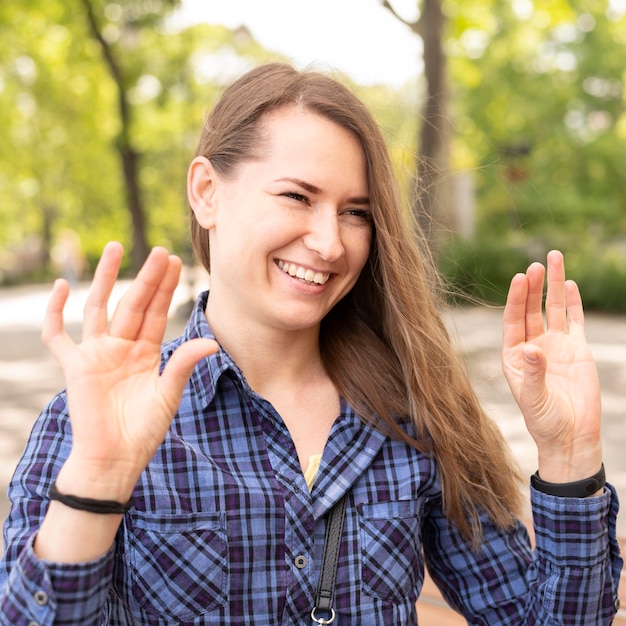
(89,505)
(556,465)
(86,481)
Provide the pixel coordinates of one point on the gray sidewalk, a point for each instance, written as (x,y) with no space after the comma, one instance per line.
(29,376)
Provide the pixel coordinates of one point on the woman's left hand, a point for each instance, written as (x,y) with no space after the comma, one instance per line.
(551,371)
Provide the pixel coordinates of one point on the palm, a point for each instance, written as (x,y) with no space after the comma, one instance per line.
(570,394)
(121,379)
(548,364)
(120,406)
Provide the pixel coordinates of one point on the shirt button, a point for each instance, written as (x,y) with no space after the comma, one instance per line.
(617,604)
(33,623)
(41,598)
(300,561)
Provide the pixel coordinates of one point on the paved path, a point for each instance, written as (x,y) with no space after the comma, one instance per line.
(29,376)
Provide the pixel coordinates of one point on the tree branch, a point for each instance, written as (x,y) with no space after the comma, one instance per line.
(414,26)
(112,64)
(129,157)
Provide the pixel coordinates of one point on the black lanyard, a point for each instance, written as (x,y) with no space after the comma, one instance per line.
(332,541)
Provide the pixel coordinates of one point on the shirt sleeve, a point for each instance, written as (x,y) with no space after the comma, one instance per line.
(34,591)
(42,593)
(571,577)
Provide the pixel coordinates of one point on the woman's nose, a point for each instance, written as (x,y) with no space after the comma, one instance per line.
(324,235)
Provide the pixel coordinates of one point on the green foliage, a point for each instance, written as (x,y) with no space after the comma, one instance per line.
(538,107)
(480,270)
(59,112)
(59,167)
(539,95)
(540,100)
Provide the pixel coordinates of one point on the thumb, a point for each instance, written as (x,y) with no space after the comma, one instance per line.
(181,364)
(534,376)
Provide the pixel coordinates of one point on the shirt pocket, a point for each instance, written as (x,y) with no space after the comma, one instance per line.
(179,563)
(391,561)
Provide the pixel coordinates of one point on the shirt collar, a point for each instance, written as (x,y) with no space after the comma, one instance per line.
(208,371)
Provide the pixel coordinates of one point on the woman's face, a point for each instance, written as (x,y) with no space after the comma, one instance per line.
(291,231)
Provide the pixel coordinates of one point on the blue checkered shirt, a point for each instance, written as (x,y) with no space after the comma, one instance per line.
(225,531)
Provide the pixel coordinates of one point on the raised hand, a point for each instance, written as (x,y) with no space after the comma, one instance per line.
(551,372)
(120,407)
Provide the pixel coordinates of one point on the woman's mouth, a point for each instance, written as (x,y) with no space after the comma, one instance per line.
(303,274)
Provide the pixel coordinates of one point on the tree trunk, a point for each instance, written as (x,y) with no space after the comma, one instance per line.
(130,167)
(430,197)
(129,157)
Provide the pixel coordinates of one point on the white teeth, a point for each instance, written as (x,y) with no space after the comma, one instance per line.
(303,274)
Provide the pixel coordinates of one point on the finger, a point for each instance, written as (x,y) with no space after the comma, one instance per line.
(556,310)
(95,314)
(514,318)
(156,316)
(179,368)
(53,332)
(129,315)
(575,311)
(534,304)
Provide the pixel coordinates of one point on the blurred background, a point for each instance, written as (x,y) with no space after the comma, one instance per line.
(511,113)
(505,118)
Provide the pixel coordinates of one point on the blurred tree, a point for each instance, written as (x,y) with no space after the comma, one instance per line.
(60,113)
(431,201)
(540,105)
(129,17)
(47,83)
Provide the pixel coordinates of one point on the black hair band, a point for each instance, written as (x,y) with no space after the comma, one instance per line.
(90,505)
(577,489)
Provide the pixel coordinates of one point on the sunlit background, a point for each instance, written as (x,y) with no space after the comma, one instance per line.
(509,114)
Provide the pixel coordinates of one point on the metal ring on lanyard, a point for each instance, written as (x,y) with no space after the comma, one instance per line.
(321,620)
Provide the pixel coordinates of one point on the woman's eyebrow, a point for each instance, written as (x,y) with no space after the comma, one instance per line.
(315,190)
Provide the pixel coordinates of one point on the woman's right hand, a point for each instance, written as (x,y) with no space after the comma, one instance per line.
(120,407)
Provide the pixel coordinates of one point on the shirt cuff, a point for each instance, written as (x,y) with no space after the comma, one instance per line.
(68,593)
(574,531)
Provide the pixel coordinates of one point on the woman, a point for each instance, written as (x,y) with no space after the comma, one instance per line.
(194,482)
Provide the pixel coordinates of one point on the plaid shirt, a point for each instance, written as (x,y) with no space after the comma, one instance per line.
(224,530)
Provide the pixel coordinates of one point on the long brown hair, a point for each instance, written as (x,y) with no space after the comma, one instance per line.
(385,344)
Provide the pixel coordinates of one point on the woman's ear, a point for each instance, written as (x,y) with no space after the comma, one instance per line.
(201,183)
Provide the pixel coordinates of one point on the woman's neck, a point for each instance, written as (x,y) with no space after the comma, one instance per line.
(269,357)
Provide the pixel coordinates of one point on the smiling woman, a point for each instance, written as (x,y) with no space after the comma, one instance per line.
(313,406)
(299,208)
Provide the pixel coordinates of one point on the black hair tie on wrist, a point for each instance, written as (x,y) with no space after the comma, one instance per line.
(90,505)
(577,489)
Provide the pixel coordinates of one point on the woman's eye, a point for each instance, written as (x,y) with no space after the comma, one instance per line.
(362,213)
(296,196)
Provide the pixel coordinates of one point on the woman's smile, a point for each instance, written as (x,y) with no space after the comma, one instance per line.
(303,274)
